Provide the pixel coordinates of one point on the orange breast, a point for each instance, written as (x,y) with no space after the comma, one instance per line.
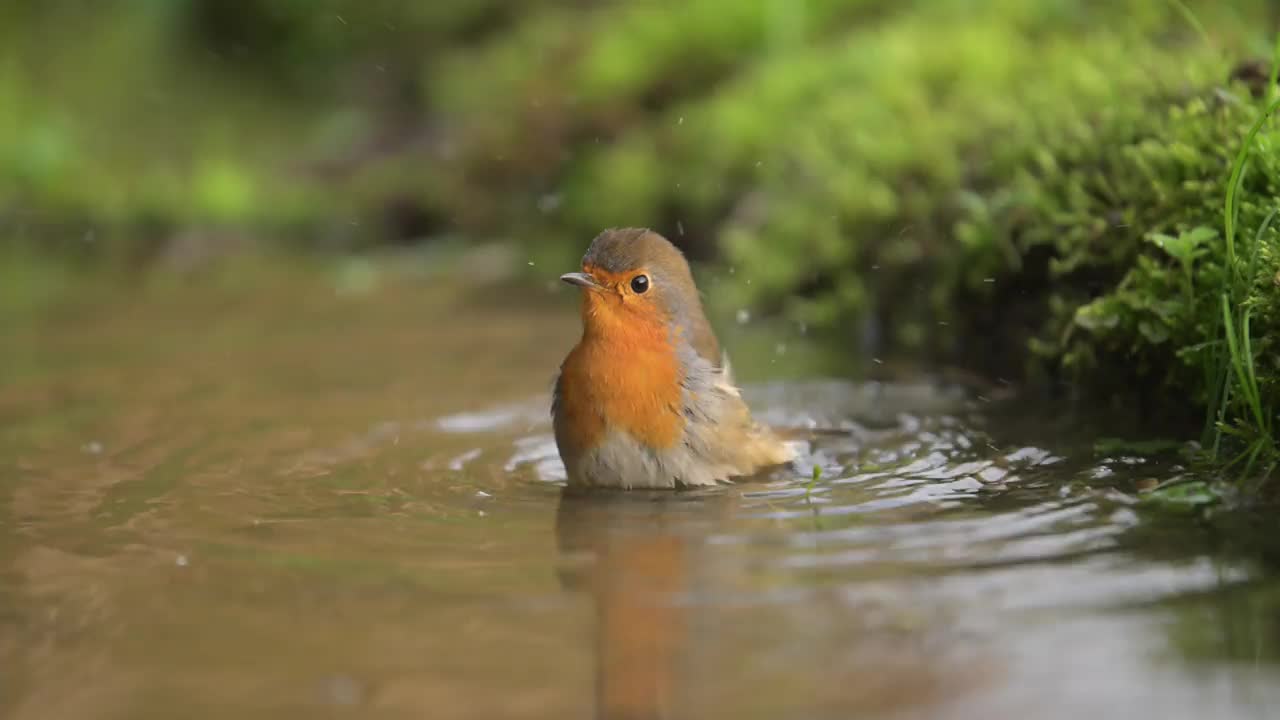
(624,374)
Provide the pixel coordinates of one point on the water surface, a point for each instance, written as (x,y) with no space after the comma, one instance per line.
(278,500)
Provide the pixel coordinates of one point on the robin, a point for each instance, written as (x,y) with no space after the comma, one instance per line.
(646,399)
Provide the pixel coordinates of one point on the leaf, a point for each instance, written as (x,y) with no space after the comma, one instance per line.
(1155,333)
(1183,496)
(1101,314)
(1186,246)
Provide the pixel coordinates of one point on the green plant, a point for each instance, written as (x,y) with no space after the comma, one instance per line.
(1249,419)
(813,482)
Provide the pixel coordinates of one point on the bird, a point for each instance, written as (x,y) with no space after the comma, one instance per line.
(646,399)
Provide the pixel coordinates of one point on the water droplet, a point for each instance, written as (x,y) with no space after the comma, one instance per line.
(181,561)
(680,121)
(344,690)
(680,228)
(780,349)
(744,316)
(988,280)
(93,448)
(481,493)
(549,203)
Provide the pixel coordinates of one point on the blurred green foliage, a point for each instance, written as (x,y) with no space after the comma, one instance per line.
(1035,186)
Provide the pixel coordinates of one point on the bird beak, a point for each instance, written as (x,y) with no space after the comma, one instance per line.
(582,280)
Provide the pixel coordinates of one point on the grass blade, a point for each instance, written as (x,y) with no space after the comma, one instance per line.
(1275,70)
(1230,204)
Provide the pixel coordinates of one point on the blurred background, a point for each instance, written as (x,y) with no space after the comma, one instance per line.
(278,317)
(867,165)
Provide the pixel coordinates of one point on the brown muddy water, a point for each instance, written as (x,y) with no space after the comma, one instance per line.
(278,499)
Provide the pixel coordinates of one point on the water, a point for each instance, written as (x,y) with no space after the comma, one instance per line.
(275,500)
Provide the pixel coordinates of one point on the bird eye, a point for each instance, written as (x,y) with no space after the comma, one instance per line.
(640,284)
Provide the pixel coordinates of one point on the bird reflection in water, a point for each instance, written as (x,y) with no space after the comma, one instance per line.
(668,647)
(636,555)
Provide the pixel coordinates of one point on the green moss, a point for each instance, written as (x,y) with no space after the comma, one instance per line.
(1139,269)
(567,81)
(837,167)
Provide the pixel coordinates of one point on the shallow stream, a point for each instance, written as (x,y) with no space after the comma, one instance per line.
(280,501)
